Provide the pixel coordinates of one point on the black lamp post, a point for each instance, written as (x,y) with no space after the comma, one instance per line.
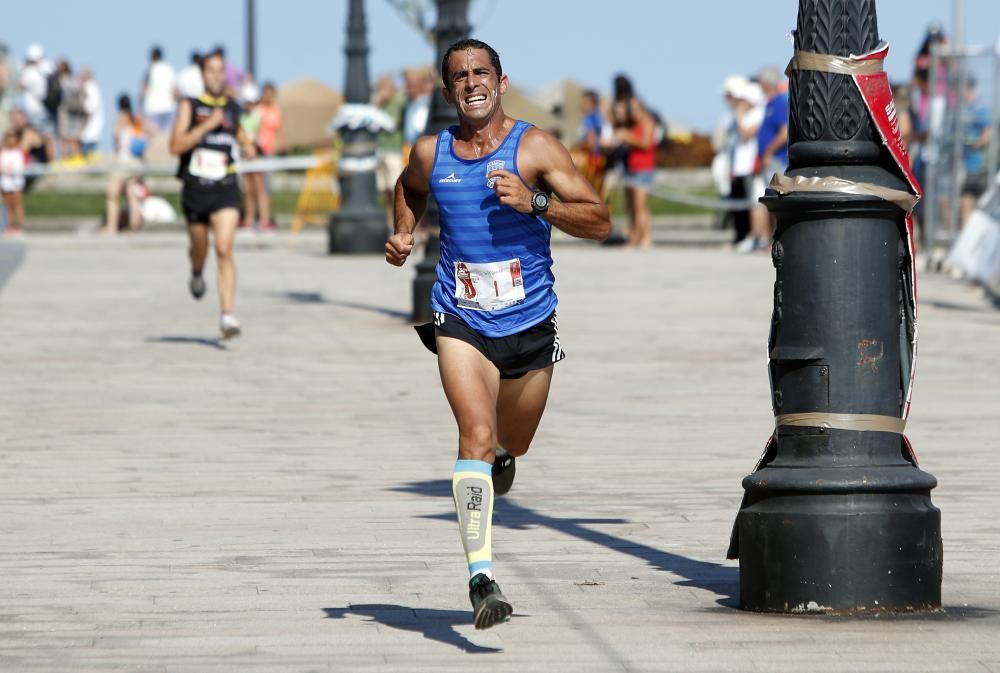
(452,26)
(838,517)
(251,37)
(359,226)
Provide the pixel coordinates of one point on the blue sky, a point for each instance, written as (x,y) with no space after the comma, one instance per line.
(676,52)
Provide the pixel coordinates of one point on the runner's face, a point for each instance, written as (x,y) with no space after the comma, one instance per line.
(472,86)
(213,71)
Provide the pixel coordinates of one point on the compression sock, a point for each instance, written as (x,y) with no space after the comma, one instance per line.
(472,487)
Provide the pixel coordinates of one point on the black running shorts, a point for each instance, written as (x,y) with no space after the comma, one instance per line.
(198,203)
(535,348)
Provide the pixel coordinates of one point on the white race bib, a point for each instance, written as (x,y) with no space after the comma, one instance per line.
(208,164)
(489,286)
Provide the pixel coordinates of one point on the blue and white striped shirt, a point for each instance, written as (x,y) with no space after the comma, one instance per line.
(499,259)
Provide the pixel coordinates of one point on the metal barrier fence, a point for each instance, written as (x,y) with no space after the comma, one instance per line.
(962,98)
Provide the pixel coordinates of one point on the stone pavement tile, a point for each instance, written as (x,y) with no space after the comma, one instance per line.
(283,503)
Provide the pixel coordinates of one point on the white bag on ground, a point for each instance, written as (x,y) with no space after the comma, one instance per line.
(976,251)
(157,210)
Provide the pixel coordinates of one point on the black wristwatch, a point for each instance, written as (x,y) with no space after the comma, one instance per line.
(539,203)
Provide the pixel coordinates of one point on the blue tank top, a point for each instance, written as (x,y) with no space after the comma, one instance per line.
(495,271)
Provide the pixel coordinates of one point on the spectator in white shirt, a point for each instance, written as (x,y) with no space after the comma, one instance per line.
(189,81)
(93,105)
(158,100)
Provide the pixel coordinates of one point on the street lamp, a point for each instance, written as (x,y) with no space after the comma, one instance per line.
(838,517)
(359,226)
(451,27)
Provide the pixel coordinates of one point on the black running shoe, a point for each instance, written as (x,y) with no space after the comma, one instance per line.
(197,286)
(489,607)
(503,472)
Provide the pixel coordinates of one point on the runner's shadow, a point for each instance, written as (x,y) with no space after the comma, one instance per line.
(11,256)
(717,578)
(318,298)
(952,306)
(436,625)
(217,344)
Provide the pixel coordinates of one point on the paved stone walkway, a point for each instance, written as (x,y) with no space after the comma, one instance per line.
(281,503)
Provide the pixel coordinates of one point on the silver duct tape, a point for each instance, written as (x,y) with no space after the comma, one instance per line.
(784,184)
(860,422)
(839,65)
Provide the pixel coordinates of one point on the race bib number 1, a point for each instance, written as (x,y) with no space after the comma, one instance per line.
(208,164)
(489,286)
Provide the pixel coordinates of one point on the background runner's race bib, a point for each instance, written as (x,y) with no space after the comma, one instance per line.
(208,164)
(489,286)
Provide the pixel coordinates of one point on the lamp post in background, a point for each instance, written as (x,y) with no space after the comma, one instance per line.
(359,226)
(838,517)
(251,38)
(452,26)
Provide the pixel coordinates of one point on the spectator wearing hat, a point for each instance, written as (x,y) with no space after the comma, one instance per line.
(746,102)
(34,85)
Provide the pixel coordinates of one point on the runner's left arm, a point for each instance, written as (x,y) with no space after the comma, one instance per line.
(577,210)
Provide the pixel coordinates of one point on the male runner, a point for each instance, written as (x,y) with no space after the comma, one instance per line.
(207,136)
(494,327)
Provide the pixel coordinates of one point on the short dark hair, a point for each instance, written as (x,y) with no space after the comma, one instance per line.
(217,52)
(592,95)
(469,43)
(156,53)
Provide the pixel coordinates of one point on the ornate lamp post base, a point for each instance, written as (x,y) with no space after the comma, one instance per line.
(838,517)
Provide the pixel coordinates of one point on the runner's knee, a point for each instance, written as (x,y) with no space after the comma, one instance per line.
(478,438)
(223,252)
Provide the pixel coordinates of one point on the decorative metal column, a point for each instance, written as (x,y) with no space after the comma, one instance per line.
(838,517)
(251,37)
(359,226)
(452,26)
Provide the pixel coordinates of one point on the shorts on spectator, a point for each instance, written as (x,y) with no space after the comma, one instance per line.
(640,180)
(974,185)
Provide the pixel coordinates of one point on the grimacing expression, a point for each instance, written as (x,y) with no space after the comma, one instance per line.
(473,87)
(213,71)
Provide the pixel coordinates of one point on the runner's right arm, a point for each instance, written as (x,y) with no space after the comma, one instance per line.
(183,137)
(410,200)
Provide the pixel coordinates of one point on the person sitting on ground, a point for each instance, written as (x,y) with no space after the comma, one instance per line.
(130,145)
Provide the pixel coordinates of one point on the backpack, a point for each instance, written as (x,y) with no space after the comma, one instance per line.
(53,93)
(73,98)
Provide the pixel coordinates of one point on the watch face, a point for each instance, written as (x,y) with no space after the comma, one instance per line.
(540,201)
